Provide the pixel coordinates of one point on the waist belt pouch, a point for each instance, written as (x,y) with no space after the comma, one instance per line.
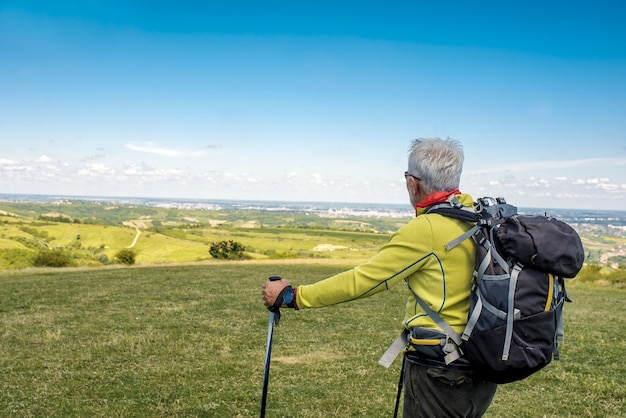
(428,343)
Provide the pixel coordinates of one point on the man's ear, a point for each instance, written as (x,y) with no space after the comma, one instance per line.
(415,186)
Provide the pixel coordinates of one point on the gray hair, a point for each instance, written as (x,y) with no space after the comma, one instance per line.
(437,163)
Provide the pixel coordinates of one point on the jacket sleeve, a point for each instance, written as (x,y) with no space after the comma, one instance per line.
(396,260)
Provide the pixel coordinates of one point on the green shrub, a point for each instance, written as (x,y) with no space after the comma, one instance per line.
(103,258)
(593,273)
(53,258)
(61,218)
(227,250)
(15,258)
(35,232)
(126,256)
(32,243)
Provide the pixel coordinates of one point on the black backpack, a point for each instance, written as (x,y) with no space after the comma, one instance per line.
(515,319)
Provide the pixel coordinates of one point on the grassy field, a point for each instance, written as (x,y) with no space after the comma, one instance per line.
(176,239)
(189,341)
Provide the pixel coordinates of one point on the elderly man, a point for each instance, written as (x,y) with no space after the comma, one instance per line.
(416,255)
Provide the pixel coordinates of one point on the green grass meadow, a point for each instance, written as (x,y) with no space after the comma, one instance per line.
(21,238)
(189,341)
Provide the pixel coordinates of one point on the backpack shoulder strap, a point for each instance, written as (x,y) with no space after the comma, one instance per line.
(452,208)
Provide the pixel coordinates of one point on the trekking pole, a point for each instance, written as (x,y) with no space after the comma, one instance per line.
(400,384)
(274,318)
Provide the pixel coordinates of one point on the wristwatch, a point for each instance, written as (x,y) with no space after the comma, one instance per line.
(289,297)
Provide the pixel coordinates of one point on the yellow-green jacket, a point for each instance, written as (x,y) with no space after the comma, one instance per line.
(414,254)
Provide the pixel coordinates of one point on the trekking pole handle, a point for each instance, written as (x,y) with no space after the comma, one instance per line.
(275,308)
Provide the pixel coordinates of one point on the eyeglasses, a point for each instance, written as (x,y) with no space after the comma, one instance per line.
(407,174)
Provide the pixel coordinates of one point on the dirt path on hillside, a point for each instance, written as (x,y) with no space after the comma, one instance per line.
(136,238)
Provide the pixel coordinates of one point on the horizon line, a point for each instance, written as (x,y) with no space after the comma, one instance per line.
(180,199)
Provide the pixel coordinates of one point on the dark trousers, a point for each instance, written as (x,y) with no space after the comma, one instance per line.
(434,391)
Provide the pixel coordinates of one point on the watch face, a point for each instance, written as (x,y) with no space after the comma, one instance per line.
(288,298)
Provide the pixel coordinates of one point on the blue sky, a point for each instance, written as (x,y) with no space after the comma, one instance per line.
(312,101)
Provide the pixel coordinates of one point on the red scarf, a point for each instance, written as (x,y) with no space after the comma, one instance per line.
(434,198)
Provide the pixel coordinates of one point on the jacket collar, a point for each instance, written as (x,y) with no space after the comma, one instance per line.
(434,198)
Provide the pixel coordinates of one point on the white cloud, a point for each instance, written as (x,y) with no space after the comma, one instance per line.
(597,180)
(562,191)
(605,186)
(146,174)
(316,178)
(95,170)
(140,179)
(133,169)
(16,168)
(231,176)
(153,148)
(550,165)
(291,177)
